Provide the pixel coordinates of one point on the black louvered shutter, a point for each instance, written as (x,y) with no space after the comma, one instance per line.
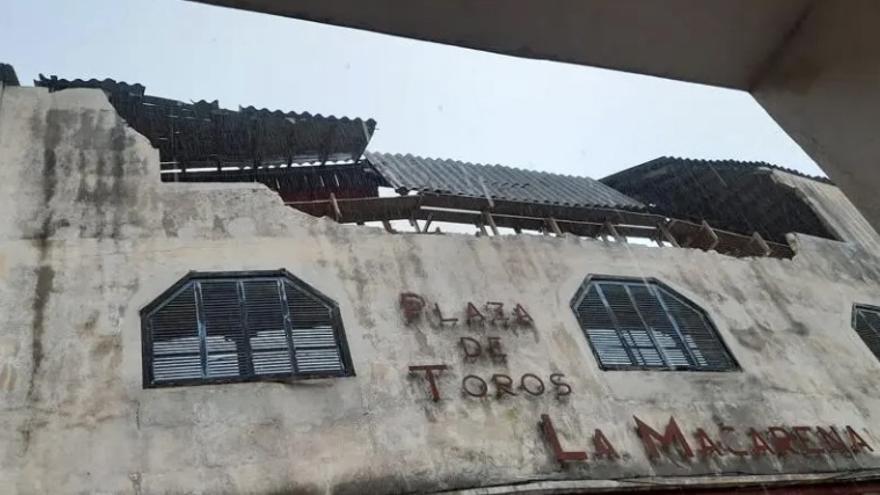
(699,335)
(230,327)
(867,325)
(227,353)
(314,336)
(662,328)
(601,330)
(643,325)
(175,345)
(267,332)
(630,325)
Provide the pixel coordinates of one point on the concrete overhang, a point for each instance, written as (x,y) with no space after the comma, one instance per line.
(718,42)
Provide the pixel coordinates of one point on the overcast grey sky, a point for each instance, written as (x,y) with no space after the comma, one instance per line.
(429,99)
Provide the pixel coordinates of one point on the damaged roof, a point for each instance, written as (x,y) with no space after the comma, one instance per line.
(204,135)
(728,194)
(436,176)
(304,182)
(7,75)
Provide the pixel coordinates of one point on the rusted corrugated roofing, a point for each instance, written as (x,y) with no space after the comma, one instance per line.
(201,134)
(429,175)
(728,194)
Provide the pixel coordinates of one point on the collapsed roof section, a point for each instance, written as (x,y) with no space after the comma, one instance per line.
(493,197)
(202,142)
(436,176)
(727,194)
(318,165)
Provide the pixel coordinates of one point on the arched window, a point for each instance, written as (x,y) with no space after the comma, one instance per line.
(642,324)
(866,323)
(241,326)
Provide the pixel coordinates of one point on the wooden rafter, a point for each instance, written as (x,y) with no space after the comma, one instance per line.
(583,222)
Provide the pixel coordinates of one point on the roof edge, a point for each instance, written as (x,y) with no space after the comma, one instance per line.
(669,160)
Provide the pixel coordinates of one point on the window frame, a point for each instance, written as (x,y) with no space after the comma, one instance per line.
(854,314)
(582,292)
(280,274)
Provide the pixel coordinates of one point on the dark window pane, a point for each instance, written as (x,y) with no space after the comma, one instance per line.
(644,325)
(227,354)
(225,327)
(266,328)
(699,335)
(176,344)
(316,349)
(867,325)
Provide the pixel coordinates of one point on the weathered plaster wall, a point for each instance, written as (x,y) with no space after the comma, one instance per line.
(89,236)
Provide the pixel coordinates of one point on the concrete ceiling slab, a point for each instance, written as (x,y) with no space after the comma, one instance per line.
(719,42)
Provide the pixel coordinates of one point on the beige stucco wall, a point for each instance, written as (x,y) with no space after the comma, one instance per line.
(89,236)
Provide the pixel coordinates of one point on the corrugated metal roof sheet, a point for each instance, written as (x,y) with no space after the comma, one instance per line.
(728,194)
(201,134)
(430,175)
(665,161)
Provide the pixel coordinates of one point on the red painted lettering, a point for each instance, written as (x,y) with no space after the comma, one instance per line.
(412,305)
(482,386)
(429,370)
(494,348)
(671,436)
(496,309)
(782,441)
(562,389)
(474,316)
(537,387)
(737,452)
(805,443)
(707,447)
(857,443)
(444,321)
(551,437)
(503,385)
(832,441)
(471,347)
(759,445)
(522,316)
(603,447)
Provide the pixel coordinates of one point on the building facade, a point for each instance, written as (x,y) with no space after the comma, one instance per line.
(205,337)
